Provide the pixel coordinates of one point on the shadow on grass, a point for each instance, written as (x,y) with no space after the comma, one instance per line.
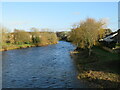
(101,67)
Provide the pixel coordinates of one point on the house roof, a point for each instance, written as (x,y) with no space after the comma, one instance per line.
(110,37)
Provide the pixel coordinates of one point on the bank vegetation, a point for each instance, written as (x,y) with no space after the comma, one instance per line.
(24,39)
(95,64)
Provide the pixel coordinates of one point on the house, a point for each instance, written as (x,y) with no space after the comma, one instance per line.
(113,37)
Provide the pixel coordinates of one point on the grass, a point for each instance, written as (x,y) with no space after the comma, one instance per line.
(105,55)
(23,45)
(8,46)
(106,61)
(101,68)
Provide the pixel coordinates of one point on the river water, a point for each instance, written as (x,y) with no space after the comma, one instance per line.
(41,67)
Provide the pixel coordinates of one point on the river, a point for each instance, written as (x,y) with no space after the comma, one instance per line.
(41,67)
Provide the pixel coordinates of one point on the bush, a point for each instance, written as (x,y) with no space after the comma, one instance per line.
(21,36)
(19,43)
(36,40)
(27,42)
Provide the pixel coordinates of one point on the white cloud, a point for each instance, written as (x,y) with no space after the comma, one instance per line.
(76,13)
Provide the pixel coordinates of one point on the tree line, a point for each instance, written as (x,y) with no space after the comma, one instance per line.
(84,35)
(35,37)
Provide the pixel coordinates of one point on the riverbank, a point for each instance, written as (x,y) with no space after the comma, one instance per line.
(101,68)
(14,46)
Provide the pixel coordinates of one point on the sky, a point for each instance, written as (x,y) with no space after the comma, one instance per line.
(119,15)
(57,16)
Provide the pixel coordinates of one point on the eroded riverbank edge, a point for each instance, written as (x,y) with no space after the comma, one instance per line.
(96,72)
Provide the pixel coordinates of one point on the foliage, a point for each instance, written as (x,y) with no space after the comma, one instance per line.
(35,32)
(117,44)
(85,34)
(21,36)
(36,40)
(48,38)
(64,35)
(4,34)
(103,32)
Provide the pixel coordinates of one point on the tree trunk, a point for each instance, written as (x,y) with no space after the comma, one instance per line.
(90,51)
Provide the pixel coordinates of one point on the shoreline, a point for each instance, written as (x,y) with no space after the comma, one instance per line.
(12,47)
(16,47)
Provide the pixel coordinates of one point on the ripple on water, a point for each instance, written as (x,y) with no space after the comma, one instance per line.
(40,67)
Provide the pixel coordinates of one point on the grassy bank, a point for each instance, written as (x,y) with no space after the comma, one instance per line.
(23,39)
(6,46)
(101,68)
